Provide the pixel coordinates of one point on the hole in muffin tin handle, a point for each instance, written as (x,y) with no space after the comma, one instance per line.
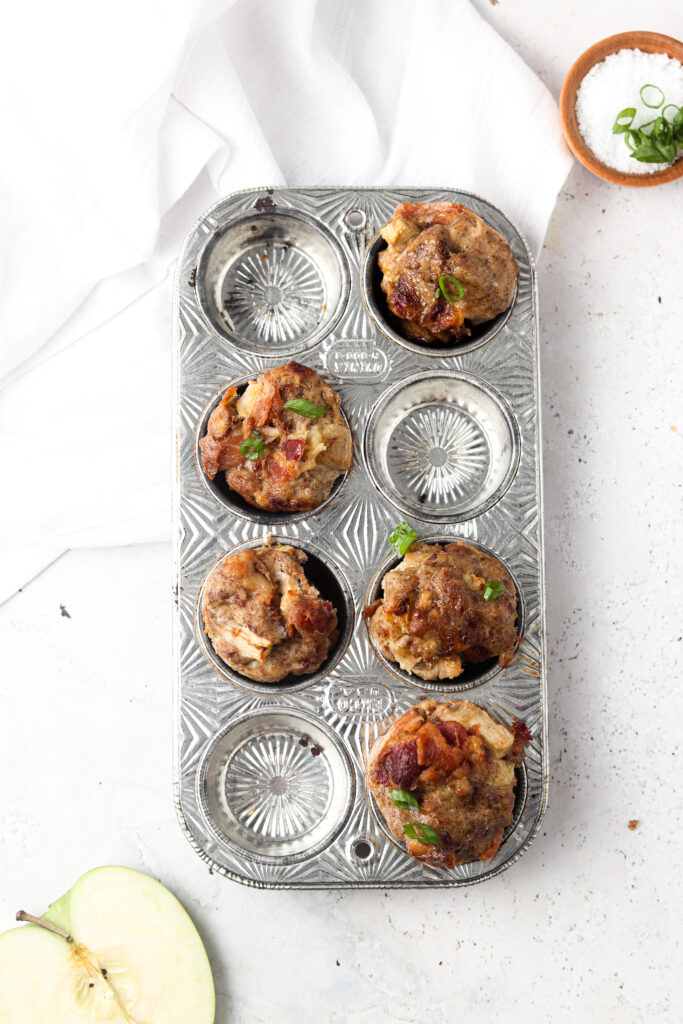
(355,219)
(364,848)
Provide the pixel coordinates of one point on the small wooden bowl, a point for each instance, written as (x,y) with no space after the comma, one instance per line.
(649,42)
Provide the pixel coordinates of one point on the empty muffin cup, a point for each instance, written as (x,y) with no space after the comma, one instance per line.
(390,325)
(276,786)
(442,446)
(272,283)
(332,586)
(473,674)
(230,499)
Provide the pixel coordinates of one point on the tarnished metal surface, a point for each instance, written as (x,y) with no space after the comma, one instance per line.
(270,787)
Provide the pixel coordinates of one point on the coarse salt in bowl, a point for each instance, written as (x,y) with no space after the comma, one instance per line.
(617,82)
(605,80)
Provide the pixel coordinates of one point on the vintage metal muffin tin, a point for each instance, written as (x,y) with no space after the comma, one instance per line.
(270,785)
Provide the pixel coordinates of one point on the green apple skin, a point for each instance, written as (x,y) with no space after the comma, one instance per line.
(136,958)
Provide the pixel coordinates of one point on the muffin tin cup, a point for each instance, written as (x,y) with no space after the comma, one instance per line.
(275,786)
(474,674)
(446,437)
(333,586)
(389,325)
(233,502)
(442,446)
(272,282)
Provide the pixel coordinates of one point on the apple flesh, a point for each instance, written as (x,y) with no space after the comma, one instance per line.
(134,958)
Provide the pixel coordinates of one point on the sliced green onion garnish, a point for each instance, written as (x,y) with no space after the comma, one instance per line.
(632,138)
(252,446)
(661,143)
(425,835)
(624,120)
(403,799)
(652,106)
(450,288)
(305,408)
(663,139)
(661,131)
(401,537)
(646,150)
(667,152)
(493,590)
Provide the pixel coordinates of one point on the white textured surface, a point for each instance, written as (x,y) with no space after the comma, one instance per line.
(587,925)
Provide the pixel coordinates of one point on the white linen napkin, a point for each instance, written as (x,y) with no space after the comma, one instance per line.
(133,120)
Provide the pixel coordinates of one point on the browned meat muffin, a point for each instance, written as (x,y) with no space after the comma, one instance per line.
(279,459)
(443,776)
(264,618)
(429,240)
(444,606)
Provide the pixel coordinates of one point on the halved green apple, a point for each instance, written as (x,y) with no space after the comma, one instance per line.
(124,951)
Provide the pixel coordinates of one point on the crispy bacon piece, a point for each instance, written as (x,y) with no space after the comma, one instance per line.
(399,766)
(453,732)
(521,741)
(310,617)
(293,448)
(220,455)
(278,470)
(370,609)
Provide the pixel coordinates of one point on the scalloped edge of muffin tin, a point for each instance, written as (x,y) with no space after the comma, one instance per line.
(228,362)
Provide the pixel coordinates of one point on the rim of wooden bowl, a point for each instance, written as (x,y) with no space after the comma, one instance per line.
(649,42)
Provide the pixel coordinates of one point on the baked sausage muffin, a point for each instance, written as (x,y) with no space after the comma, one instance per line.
(444,270)
(264,618)
(282,443)
(445,606)
(443,776)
